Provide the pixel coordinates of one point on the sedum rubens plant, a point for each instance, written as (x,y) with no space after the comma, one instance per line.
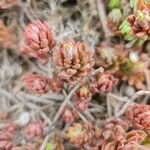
(103,82)
(74,64)
(7,140)
(39,40)
(124,63)
(114,19)
(79,134)
(68,115)
(76,134)
(114,16)
(113,135)
(139,115)
(40,84)
(82,97)
(36,83)
(34,129)
(74,60)
(137,26)
(71,91)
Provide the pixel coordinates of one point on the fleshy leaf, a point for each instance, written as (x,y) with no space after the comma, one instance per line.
(129,37)
(126,30)
(142,40)
(115,15)
(125,27)
(114,4)
(49,146)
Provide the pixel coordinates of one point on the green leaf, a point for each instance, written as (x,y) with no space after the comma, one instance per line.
(113,4)
(125,27)
(115,15)
(129,37)
(126,30)
(49,146)
(142,40)
(138,66)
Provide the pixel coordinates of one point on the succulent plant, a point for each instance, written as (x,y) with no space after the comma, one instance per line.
(103,82)
(138,114)
(136,27)
(39,39)
(36,83)
(74,60)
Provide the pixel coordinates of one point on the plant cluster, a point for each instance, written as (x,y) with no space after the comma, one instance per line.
(73,95)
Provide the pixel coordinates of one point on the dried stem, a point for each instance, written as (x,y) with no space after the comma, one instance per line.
(130,101)
(103,18)
(65,102)
(72,92)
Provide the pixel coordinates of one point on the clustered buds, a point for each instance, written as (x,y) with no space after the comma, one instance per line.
(83,93)
(103,82)
(7,37)
(115,134)
(137,26)
(82,97)
(75,60)
(68,115)
(5,4)
(79,134)
(5,141)
(36,83)
(56,85)
(139,116)
(39,39)
(34,129)
(6,137)
(111,136)
(140,23)
(114,19)
(79,85)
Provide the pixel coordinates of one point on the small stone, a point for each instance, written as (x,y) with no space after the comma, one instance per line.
(24,118)
(130,91)
(133,57)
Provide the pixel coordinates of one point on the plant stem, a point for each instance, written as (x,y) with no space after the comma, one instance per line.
(72,92)
(65,102)
(103,18)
